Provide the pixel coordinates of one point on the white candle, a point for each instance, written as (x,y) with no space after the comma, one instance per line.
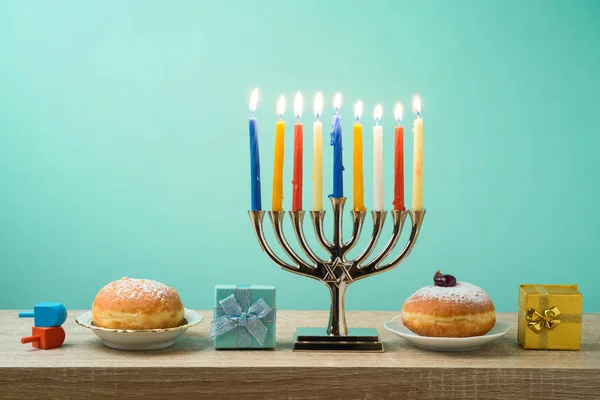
(318,155)
(417,200)
(377,160)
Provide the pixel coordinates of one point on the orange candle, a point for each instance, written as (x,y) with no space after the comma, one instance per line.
(359,189)
(399,161)
(277,198)
(298,151)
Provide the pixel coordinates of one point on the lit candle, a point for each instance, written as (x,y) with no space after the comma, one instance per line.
(417,201)
(277,203)
(254,156)
(318,154)
(377,160)
(399,161)
(336,142)
(359,189)
(298,138)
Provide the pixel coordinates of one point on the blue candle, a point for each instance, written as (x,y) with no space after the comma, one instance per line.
(254,156)
(336,142)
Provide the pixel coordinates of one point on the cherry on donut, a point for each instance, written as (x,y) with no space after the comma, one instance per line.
(443,280)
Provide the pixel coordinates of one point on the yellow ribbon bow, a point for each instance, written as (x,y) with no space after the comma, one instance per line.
(536,321)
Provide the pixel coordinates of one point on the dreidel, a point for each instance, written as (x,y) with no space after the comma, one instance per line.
(46,314)
(45,338)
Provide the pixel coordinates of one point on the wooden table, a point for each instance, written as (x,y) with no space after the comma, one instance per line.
(83,368)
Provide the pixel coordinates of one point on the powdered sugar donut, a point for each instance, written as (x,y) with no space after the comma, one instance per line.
(457,311)
(137,304)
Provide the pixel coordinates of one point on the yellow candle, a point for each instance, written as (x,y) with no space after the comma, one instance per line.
(417,200)
(359,189)
(277,204)
(318,155)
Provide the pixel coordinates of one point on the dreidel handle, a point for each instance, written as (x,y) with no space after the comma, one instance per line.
(30,339)
(26,314)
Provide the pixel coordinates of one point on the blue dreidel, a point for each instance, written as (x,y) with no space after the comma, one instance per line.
(46,314)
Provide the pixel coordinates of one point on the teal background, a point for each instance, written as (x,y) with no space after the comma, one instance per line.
(124,143)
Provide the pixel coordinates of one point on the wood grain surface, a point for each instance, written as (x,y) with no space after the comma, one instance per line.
(83,368)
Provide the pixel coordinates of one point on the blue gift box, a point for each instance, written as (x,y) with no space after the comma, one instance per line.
(244,317)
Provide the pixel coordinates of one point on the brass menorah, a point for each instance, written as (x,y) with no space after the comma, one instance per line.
(337,272)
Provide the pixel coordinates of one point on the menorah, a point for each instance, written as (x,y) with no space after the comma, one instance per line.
(337,272)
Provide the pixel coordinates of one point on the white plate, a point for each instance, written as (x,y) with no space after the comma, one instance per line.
(147,339)
(446,343)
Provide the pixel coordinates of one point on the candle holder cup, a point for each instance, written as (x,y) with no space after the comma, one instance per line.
(337,272)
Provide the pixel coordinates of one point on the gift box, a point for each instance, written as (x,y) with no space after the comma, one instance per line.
(550,317)
(244,317)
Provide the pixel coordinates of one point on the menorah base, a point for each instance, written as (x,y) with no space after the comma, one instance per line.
(357,340)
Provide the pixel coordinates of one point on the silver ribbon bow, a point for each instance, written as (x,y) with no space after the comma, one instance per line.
(235,311)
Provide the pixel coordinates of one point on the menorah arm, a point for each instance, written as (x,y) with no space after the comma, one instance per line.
(358,217)
(417,219)
(256,217)
(373,267)
(378,221)
(398,217)
(298,224)
(303,267)
(317,220)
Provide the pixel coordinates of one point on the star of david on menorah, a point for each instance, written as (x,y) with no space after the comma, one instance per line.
(337,272)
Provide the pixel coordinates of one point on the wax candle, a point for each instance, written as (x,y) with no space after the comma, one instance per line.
(277,203)
(417,202)
(254,156)
(377,160)
(336,142)
(298,151)
(318,154)
(359,189)
(399,161)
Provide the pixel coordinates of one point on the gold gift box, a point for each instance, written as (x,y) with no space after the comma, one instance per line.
(550,317)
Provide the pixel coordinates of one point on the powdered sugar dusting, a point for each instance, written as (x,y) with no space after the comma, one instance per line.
(138,289)
(463,292)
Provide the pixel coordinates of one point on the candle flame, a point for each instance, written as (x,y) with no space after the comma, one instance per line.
(337,101)
(377,112)
(318,105)
(298,102)
(253,100)
(417,105)
(358,110)
(280,106)
(398,111)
